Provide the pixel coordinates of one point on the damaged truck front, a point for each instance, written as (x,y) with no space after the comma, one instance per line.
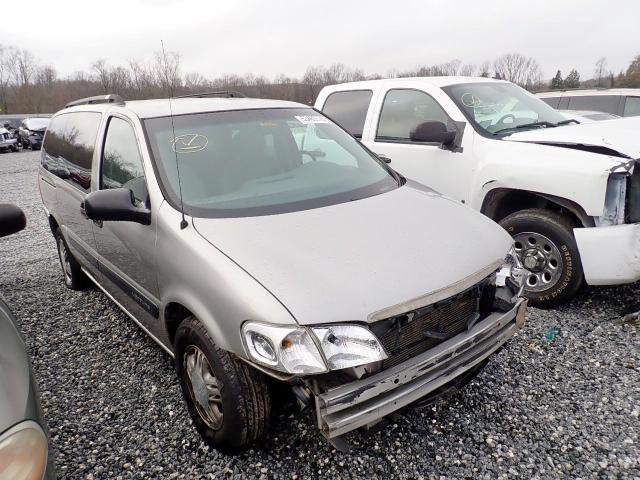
(568,193)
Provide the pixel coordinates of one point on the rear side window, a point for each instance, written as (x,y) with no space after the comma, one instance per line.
(122,162)
(68,147)
(632,107)
(553,102)
(599,103)
(403,110)
(349,109)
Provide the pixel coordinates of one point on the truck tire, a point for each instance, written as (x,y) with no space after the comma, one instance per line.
(72,274)
(547,248)
(228,400)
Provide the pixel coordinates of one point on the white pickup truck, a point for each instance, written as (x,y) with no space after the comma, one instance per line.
(568,193)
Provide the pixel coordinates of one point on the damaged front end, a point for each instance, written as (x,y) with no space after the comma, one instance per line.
(610,251)
(427,348)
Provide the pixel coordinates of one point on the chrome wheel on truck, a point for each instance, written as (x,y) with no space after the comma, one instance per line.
(542,259)
(547,249)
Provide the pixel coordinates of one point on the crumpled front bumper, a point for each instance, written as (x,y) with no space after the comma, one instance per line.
(8,143)
(609,255)
(364,402)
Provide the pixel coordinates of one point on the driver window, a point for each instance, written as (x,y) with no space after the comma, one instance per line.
(403,110)
(122,162)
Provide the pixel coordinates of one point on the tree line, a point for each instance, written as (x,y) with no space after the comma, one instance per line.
(28,85)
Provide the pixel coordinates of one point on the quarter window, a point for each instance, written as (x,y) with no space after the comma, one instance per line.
(69,145)
(632,107)
(404,110)
(349,109)
(122,162)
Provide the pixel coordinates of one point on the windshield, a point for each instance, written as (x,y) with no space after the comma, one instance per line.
(499,109)
(37,123)
(260,162)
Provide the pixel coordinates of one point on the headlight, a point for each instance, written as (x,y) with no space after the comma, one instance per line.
(347,346)
(288,349)
(23,452)
(295,349)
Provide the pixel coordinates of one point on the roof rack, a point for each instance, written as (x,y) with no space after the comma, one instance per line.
(221,94)
(111,98)
(570,89)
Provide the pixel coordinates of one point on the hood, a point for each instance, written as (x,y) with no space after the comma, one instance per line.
(617,137)
(347,261)
(4,130)
(15,386)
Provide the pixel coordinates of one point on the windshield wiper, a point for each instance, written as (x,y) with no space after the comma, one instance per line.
(567,122)
(527,125)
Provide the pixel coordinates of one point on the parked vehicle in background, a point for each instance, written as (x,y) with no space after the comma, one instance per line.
(7,141)
(23,441)
(568,194)
(623,102)
(256,241)
(32,130)
(587,116)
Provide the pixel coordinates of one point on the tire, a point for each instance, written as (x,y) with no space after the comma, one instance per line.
(547,248)
(72,274)
(240,414)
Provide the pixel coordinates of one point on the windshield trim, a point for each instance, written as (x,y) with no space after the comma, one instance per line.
(481,131)
(206,212)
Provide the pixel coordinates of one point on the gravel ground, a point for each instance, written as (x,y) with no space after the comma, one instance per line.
(563,399)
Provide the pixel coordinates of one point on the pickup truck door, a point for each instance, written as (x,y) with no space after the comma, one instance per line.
(397,112)
(126,250)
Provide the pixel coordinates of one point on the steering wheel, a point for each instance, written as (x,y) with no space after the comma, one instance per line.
(504,117)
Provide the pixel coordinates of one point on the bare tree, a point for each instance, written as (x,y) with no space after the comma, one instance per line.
(4,79)
(23,66)
(167,70)
(484,69)
(601,71)
(101,69)
(467,70)
(518,69)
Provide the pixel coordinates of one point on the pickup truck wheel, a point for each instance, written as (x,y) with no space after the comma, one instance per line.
(72,274)
(228,400)
(547,248)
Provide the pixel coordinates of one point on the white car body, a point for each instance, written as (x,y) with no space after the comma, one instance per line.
(574,177)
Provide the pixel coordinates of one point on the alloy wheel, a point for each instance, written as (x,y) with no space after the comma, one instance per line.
(204,387)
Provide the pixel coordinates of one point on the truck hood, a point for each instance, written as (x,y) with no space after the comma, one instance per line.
(616,137)
(348,261)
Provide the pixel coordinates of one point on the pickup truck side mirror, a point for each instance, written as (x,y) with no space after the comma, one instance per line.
(12,220)
(114,205)
(432,132)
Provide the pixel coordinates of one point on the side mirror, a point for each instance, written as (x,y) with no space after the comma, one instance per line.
(115,205)
(432,132)
(12,220)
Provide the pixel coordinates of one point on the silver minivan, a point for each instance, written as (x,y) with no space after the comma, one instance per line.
(258,242)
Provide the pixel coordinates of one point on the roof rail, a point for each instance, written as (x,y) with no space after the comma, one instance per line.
(111,98)
(570,89)
(222,94)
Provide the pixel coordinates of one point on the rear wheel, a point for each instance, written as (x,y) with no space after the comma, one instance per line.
(228,400)
(72,274)
(547,248)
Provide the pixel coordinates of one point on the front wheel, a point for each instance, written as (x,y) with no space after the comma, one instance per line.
(547,248)
(72,274)
(228,400)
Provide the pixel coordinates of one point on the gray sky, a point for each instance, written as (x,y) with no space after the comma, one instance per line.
(277,36)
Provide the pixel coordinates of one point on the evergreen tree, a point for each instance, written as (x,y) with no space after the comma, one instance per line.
(556,82)
(572,80)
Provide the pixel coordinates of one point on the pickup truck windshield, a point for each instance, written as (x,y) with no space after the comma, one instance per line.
(500,109)
(261,162)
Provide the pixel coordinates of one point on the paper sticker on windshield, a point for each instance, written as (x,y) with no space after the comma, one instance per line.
(309,119)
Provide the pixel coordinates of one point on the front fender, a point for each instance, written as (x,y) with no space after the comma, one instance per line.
(578,176)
